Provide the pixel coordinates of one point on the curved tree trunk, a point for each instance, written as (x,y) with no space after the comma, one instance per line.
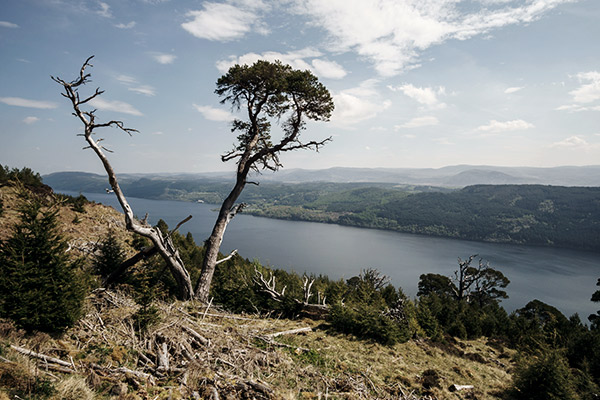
(164,245)
(213,243)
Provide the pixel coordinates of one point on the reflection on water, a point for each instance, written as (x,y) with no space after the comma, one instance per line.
(563,278)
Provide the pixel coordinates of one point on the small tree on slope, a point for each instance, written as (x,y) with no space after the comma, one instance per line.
(40,288)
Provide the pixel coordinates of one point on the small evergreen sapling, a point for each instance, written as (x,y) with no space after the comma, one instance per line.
(40,288)
(111,255)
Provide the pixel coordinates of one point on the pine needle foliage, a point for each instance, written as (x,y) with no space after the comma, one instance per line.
(40,288)
(111,255)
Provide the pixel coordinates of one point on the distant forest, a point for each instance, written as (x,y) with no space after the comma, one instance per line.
(525,214)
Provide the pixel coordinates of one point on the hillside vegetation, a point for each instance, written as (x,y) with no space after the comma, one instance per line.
(258,338)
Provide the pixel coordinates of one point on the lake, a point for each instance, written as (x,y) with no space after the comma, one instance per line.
(563,278)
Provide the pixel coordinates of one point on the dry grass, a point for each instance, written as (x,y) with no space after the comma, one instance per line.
(83,235)
(238,359)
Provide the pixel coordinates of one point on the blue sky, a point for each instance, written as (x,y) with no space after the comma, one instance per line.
(416,83)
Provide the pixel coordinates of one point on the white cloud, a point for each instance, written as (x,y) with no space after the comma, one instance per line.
(163,58)
(126,79)
(31,120)
(214,114)
(497,126)
(6,24)
(104,10)
(589,90)
(328,69)
(577,108)
(358,104)
(115,105)
(135,87)
(126,26)
(427,96)
(294,58)
(571,142)
(513,89)
(392,33)
(418,122)
(144,89)
(20,102)
(223,22)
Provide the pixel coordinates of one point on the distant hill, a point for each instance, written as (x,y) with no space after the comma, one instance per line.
(457,176)
(453,176)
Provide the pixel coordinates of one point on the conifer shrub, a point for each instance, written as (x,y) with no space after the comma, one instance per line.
(145,295)
(26,176)
(427,321)
(373,309)
(40,288)
(110,255)
(365,322)
(547,378)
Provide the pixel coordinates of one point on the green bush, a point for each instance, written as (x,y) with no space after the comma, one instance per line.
(365,322)
(373,309)
(40,288)
(547,378)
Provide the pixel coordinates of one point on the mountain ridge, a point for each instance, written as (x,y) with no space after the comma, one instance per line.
(450,176)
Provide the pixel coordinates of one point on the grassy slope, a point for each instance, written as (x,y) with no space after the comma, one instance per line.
(318,364)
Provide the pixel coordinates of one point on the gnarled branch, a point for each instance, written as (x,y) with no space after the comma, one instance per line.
(163,245)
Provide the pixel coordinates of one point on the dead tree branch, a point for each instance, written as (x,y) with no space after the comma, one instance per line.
(314,311)
(162,244)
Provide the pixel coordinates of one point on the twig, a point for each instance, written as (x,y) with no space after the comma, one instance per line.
(207,308)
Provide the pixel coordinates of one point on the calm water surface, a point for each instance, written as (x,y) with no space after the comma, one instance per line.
(563,278)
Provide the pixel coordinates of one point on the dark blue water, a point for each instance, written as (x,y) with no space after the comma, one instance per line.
(563,278)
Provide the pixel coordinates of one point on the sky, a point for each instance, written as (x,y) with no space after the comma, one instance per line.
(416,83)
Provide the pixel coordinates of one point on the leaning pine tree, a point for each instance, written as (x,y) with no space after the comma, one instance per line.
(268,94)
(40,288)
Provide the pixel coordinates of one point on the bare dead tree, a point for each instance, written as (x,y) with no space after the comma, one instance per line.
(265,90)
(483,283)
(464,277)
(269,287)
(163,244)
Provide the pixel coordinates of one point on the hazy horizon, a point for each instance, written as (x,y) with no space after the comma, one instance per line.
(101,172)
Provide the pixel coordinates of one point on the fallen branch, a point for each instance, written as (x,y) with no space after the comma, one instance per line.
(290,332)
(223,316)
(59,368)
(203,341)
(43,357)
(122,370)
(456,388)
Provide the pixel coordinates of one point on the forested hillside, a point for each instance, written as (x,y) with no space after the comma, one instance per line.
(525,214)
